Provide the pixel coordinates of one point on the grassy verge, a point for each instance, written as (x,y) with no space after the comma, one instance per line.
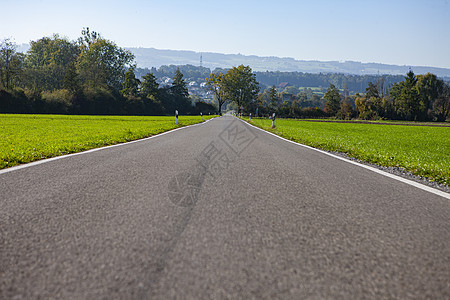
(27,138)
(422,150)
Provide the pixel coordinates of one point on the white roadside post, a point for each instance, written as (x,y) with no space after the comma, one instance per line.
(209,114)
(176,117)
(201,116)
(273,120)
(250,117)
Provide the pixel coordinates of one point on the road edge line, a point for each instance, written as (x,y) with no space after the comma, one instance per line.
(46,160)
(381,172)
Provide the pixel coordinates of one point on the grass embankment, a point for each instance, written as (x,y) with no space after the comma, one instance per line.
(422,150)
(27,138)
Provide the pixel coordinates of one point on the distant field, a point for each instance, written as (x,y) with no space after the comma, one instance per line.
(423,150)
(26,138)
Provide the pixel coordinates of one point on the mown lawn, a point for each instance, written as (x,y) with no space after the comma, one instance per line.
(26,138)
(422,150)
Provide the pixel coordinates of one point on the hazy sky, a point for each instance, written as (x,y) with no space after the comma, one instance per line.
(403,32)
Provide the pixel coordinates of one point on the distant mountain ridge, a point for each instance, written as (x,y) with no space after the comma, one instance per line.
(151,57)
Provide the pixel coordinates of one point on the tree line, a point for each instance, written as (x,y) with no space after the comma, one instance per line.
(91,75)
(352,83)
(416,98)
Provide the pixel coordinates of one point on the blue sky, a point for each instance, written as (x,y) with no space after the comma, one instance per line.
(413,33)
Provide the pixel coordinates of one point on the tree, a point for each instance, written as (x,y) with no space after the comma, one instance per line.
(52,51)
(240,86)
(372,91)
(149,87)
(179,87)
(333,98)
(215,84)
(101,62)
(406,98)
(441,106)
(346,111)
(130,85)
(71,80)
(290,89)
(429,87)
(11,64)
(371,106)
(274,99)
(48,60)
(175,97)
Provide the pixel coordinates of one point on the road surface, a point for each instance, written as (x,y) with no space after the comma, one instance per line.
(218,210)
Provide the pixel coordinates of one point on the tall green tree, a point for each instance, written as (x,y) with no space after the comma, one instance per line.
(441,106)
(215,84)
(429,87)
(371,106)
(71,81)
(179,86)
(101,62)
(48,60)
(372,91)
(130,85)
(149,87)
(175,97)
(346,111)
(52,51)
(11,64)
(240,86)
(406,98)
(274,99)
(333,98)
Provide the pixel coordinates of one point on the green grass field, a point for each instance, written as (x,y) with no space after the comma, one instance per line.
(422,150)
(27,138)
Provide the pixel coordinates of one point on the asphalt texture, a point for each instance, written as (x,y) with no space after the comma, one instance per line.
(215,211)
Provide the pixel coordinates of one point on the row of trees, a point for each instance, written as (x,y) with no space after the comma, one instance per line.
(416,98)
(94,76)
(89,76)
(352,83)
(349,82)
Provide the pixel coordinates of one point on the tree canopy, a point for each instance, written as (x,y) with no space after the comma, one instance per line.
(240,86)
(215,84)
(333,98)
(11,64)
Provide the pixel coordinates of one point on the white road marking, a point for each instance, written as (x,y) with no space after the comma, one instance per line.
(43,161)
(404,180)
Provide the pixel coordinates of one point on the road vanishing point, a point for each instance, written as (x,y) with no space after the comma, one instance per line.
(218,210)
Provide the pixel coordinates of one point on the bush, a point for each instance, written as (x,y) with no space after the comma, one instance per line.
(101,101)
(14,101)
(57,102)
(205,108)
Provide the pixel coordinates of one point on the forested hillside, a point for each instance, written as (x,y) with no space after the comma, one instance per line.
(353,83)
(150,57)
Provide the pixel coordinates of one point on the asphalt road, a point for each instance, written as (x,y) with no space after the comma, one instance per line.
(218,210)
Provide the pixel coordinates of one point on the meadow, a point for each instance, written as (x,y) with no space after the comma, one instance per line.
(27,138)
(422,150)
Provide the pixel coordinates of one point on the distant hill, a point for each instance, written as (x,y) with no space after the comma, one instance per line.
(150,57)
